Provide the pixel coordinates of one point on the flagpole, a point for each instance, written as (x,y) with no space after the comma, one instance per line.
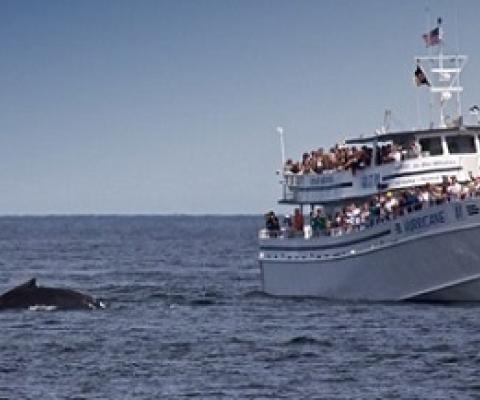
(430,102)
(459,99)
(419,119)
(441,65)
(440,36)
(280,131)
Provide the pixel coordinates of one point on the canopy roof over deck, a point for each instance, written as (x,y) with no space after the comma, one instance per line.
(401,136)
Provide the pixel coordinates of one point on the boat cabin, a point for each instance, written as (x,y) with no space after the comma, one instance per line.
(440,153)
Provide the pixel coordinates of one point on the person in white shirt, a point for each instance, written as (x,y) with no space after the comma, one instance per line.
(454,189)
(394,153)
(390,204)
(355,215)
(424,195)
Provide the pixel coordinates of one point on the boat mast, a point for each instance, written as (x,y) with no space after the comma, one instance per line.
(280,131)
(445,73)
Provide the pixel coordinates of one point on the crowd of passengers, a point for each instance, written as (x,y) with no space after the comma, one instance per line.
(381,207)
(343,158)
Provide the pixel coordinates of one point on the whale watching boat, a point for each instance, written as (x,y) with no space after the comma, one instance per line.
(388,217)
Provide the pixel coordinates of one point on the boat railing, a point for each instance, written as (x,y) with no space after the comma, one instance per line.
(287,232)
(296,178)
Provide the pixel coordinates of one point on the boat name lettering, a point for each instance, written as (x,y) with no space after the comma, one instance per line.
(403,182)
(425,221)
(424,164)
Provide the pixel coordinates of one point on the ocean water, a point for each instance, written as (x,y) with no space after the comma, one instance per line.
(186,319)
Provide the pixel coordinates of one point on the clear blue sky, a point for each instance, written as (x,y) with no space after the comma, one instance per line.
(171,106)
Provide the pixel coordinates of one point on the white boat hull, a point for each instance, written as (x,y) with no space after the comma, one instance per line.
(435,265)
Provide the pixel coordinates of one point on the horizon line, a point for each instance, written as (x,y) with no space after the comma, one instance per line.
(100,214)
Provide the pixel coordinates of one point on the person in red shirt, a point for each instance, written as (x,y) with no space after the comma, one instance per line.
(298,221)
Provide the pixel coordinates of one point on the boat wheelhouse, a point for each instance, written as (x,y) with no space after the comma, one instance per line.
(426,251)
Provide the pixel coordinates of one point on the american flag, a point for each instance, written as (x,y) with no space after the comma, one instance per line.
(432,38)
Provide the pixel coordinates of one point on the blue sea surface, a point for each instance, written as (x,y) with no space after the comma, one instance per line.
(187,319)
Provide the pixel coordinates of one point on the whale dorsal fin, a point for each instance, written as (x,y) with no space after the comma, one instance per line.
(32,283)
(28,285)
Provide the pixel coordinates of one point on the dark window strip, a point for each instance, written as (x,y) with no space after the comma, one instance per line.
(427,171)
(319,188)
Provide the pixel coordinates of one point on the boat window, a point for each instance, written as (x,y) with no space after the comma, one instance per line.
(460,144)
(431,145)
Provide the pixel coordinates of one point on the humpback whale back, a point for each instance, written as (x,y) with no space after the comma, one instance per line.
(32,283)
(30,296)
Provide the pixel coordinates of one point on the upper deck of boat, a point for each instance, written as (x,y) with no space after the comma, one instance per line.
(444,152)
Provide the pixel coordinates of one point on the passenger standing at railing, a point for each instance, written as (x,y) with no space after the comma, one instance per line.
(438,194)
(357,220)
(320,161)
(414,149)
(410,200)
(287,226)
(469,187)
(298,221)
(272,224)
(395,153)
(319,223)
(454,189)
(374,209)
(424,195)
(476,186)
(364,216)
(391,205)
(288,166)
